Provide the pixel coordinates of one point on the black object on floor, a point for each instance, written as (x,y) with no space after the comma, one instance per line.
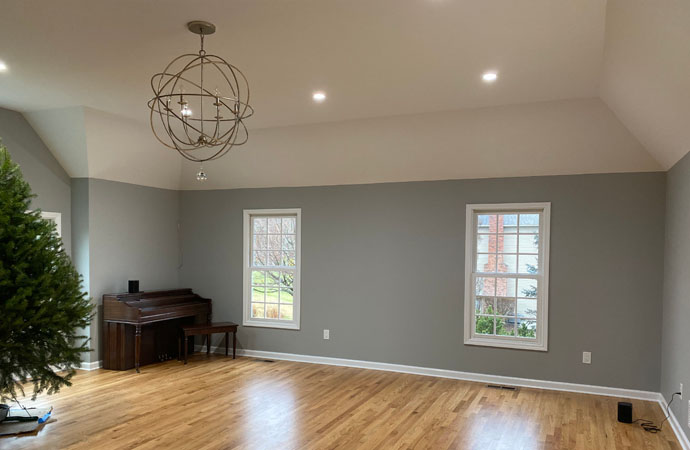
(625,412)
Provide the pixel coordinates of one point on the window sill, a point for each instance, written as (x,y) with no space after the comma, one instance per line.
(507,343)
(271,324)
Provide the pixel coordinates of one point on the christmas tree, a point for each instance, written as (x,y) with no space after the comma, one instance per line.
(42,306)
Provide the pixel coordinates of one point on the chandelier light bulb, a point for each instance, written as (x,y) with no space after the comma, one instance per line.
(186,112)
(201,175)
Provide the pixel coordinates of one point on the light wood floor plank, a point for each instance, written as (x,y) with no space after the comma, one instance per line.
(219,403)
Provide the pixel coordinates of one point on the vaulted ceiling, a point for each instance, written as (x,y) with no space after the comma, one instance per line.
(584,87)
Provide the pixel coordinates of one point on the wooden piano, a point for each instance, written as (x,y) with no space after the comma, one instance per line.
(142,328)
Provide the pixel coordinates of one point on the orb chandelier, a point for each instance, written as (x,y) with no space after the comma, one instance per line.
(200,103)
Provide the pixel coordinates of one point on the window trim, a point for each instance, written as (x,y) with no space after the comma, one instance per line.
(541,342)
(55,217)
(247,320)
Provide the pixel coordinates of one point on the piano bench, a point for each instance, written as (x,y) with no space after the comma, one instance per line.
(207,330)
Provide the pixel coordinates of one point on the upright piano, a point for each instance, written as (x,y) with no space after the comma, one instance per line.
(142,328)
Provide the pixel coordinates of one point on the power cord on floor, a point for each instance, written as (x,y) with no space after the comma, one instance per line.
(649,425)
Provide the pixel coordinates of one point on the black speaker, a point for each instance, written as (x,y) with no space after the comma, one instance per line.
(625,412)
(133,286)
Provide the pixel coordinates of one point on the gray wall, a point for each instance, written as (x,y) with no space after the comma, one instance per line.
(80,241)
(675,368)
(80,227)
(41,170)
(383,264)
(382,268)
(132,234)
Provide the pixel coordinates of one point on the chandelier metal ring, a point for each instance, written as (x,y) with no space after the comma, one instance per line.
(185,115)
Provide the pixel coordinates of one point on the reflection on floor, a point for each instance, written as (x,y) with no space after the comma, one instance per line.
(217,403)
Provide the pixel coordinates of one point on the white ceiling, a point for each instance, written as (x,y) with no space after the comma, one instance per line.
(374,58)
(547,138)
(646,76)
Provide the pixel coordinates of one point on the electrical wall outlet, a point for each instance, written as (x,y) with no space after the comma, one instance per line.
(586,357)
(326,334)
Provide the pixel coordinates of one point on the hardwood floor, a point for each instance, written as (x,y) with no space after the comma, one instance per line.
(218,403)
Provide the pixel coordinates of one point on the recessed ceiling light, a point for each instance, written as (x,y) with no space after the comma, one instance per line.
(489,77)
(319,96)
(3,67)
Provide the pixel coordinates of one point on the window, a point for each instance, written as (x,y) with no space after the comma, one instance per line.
(507,275)
(272,268)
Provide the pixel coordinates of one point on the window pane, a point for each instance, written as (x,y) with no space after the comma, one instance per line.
(259,225)
(274,225)
(258,310)
(505,326)
(506,268)
(529,220)
(507,243)
(484,305)
(274,258)
(486,263)
(258,294)
(272,278)
(484,241)
(273,266)
(260,259)
(485,286)
(288,259)
(505,306)
(505,287)
(528,264)
(507,263)
(507,223)
(286,296)
(271,311)
(260,242)
(288,242)
(258,277)
(274,242)
(529,243)
(527,328)
(486,223)
(527,308)
(287,279)
(484,325)
(271,295)
(527,288)
(289,225)
(286,312)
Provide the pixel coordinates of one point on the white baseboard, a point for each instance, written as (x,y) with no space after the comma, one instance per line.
(677,427)
(91,365)
(444,373)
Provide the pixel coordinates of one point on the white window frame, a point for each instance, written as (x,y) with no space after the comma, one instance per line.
(294,324)
(55,217)
(471,338)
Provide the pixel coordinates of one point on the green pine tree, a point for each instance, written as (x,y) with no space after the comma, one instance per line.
(42,305)
(485,324)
